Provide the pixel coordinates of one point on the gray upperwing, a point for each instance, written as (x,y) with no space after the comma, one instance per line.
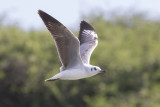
(67,44)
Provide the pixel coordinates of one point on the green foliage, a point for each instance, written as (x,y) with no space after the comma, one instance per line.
(128,49)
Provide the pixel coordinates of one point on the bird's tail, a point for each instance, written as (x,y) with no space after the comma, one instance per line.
(51,79)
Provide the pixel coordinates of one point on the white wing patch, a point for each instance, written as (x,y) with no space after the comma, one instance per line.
(89,32)
(86,50)
(88,41)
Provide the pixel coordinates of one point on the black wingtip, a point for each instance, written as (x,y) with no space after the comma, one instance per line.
(42,13)
(86,26)
(48,19)
(44,16)
(39,11)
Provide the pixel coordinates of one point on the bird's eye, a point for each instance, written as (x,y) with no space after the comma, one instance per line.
(95,69)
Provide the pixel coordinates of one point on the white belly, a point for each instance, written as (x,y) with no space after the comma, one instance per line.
(73,74)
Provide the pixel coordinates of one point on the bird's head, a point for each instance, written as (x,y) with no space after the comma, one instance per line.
(96,69)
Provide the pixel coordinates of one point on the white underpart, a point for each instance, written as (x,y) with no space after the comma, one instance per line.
(75,73)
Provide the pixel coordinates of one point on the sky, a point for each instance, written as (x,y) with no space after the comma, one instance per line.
(69,12)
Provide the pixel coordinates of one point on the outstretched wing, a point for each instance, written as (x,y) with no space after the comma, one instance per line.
(88,41)
(67,44)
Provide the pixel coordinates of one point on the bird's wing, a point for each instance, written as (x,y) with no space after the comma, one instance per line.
(88,41)
(67,44)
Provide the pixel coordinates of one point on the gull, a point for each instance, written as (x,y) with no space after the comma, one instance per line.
(74,53)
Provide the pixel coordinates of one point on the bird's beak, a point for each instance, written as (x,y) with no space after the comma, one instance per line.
(102,71)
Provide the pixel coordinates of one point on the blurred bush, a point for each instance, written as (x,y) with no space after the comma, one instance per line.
(129,49)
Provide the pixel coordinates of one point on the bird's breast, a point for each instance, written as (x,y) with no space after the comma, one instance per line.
(73,74)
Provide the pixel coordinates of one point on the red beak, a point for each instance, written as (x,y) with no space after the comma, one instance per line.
(102,71)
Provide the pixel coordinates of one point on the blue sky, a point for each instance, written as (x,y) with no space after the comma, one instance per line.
(69,12)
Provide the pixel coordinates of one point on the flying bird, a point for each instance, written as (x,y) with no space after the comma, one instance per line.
(74,53)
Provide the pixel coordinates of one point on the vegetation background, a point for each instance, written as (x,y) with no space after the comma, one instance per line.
(129,49)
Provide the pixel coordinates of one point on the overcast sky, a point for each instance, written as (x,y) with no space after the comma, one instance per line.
(69,12)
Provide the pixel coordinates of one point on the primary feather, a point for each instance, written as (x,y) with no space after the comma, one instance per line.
(67,44)
(88,41)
